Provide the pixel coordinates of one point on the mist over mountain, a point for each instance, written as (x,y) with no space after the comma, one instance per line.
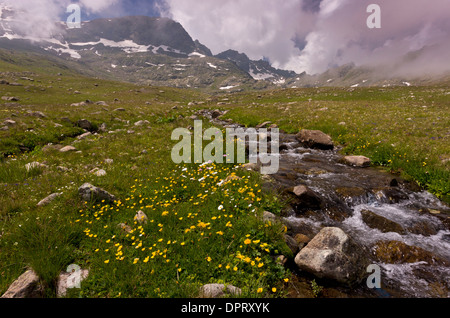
(159,51)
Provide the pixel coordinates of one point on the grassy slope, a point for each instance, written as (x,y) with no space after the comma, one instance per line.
(195,242)
(188,240)
(405,129)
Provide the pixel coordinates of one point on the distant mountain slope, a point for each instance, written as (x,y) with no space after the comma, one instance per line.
(259,70)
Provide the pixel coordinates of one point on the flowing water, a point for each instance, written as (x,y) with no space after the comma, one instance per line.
(347,193)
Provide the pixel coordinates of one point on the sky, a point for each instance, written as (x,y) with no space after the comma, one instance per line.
(300,35)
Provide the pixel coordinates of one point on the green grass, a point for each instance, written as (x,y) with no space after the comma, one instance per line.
(402,129)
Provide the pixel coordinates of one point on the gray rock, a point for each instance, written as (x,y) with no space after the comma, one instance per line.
(332,254)
(67,149)
(141,123)
(357,161)
(291,243)
(79,104)
(88,193)
(72,279)
(36,114)
(269,216)
(103,128)
(305,198)
(26,286)
(125,228)
(85,124)
(315,139)
(98,172)
(141,217)
(10,98)
(218,290)
(376,221)
(9,122)
(48,199)
(83,136)
(216,113)
(264,125)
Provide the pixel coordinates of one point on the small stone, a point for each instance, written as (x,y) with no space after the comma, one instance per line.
(89,192)
(357,161)
(48,199)
(291,243)
(67,149)
(264,124)
(305,198)
(83,136)
(10,98)
(85,124)
(36,114)
(218,290)
(9,122)
(98,172)
(141,217)
(269,216)
(216,113)
(62,169)
(250,166)
(141,123)
(125,227)
(72,279)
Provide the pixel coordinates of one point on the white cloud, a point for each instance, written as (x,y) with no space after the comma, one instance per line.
(97,6)
(333,35)
(258,28)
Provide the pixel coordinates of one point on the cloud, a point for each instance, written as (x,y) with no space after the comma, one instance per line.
(258,28)
(314,35)
(96,6)
(36,19)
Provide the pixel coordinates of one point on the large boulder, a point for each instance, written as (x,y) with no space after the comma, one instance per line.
(315,139)
(332,254)
(26,286)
